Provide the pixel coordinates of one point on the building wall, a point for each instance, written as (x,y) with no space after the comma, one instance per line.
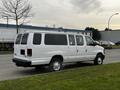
(113,36)
(9,34)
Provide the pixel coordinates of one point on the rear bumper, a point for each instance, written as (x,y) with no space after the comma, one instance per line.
(20,62)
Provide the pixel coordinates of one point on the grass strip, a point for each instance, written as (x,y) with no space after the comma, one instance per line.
(103,77)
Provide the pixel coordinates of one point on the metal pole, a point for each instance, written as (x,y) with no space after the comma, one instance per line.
(7,20)
(110,19)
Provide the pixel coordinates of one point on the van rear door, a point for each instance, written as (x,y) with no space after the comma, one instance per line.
(20,47)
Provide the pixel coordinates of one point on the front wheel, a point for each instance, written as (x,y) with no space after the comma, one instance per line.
(55,65)
(98,60)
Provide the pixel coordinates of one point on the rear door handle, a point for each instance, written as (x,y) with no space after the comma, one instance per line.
(86,50)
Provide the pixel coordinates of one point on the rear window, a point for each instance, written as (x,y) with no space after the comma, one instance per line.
(24,39)
(18,39)
(55,39)
(37,39)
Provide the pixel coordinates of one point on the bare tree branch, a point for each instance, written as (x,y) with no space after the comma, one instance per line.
(16,10)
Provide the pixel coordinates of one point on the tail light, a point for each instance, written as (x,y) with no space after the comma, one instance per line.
(29,52)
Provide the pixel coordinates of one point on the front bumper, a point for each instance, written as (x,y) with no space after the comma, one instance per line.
(20,62)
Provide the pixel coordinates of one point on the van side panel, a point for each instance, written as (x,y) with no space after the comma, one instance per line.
(41,53)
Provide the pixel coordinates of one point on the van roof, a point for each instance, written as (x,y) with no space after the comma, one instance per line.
(30,27)
(55,32)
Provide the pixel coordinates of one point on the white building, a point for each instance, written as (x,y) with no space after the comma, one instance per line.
(113,35)
(8,32)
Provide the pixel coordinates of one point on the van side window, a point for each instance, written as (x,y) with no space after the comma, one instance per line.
(89,40)
(18,39)
(37,39)
(71,40)
(24,38)
(79,40)
(55,39)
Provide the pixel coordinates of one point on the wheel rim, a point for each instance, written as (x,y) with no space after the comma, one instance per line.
(56,66)
(99,60)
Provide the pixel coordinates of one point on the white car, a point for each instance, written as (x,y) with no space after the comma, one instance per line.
(108,43)
(54,49)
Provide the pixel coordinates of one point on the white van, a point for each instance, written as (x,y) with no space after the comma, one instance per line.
(54,49)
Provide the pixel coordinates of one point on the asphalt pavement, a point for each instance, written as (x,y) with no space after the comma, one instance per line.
(8,70)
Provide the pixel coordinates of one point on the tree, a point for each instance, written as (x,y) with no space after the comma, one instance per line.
(95,32)
(107,29)
(18,10)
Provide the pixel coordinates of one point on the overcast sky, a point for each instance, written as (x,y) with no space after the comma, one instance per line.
(76,14)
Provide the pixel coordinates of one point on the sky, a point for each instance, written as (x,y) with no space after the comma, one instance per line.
(77,14)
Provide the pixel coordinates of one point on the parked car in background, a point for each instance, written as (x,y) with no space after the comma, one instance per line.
(117,43)
(111,43)
(97,42)
(106,43)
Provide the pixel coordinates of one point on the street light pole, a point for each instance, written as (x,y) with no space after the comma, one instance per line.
(110,19)
(7,18)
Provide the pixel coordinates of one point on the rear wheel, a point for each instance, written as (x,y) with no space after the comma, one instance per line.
(98,60)
(55,64)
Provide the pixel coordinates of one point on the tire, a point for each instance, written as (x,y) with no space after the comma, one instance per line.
(98,60)
(55,65)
